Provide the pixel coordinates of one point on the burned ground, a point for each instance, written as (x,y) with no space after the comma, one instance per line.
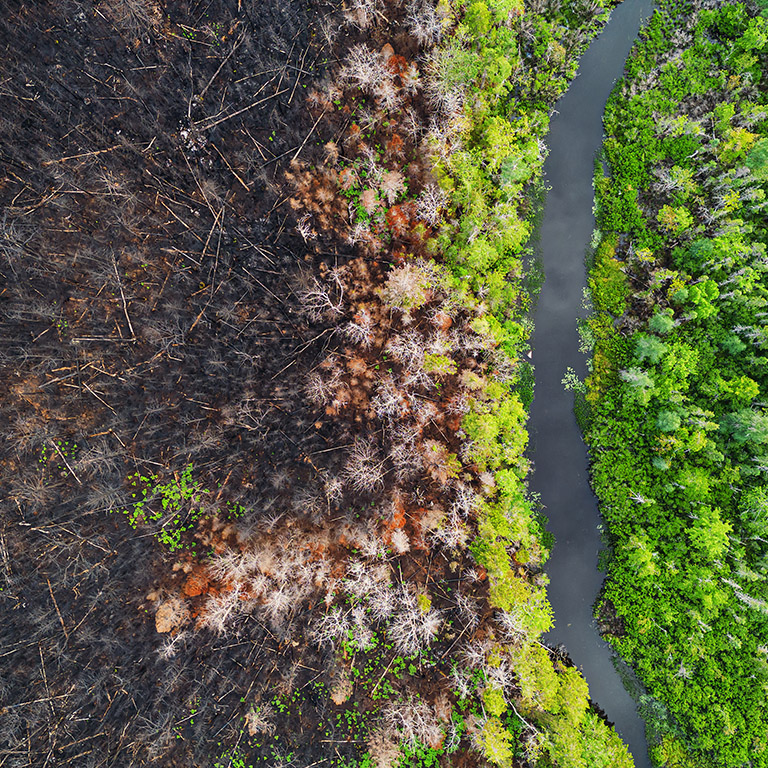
(154,318)
(149,321)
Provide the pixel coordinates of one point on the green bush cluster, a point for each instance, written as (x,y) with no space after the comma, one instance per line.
(170,509)
(678,430)
(513,79)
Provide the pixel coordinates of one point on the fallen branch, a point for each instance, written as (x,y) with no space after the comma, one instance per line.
(239,112)
(58,612)
(232,170)
(220,220)
(100,399)
(122,296)
(64,459)
(85,154)
(311,131)
(221,66)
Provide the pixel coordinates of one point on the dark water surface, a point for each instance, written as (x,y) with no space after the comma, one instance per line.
(557,449)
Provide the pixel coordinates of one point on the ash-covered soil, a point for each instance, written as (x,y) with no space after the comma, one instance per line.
(149,321)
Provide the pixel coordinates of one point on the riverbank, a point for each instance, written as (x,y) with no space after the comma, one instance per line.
(559,456)
(677,383)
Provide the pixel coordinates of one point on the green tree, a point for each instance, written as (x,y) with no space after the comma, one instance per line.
(746,426)
(757,160)
(662,321)
(675,220)
(668,421)
(641,383)
(710,533)
(649,348)
(496,742)
(640,556)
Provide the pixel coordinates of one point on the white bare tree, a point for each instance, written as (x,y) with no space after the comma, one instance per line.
(332,627)
(320,299)
(412,627)
(364,68)
(304,227)
(430,204)
(413,720)
(392,184)
(364,471)
(360,329)
(424,23)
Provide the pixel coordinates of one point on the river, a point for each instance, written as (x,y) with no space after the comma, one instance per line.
(557,449)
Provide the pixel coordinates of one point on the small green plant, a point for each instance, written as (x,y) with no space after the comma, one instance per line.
(172,507)
(419,755)
(232,758)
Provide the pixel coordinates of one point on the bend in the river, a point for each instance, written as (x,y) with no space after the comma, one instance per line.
(557,448)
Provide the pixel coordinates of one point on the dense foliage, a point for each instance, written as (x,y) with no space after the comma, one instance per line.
(498,156)
(676,396)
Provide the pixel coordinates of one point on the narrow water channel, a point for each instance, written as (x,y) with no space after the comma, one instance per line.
(557,448)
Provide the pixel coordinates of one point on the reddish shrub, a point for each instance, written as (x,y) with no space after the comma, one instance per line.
(395,146)
(398,220)
(397,64)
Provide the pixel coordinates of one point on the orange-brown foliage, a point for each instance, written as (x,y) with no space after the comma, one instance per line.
(397,64)
(398,220)
(395,146)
